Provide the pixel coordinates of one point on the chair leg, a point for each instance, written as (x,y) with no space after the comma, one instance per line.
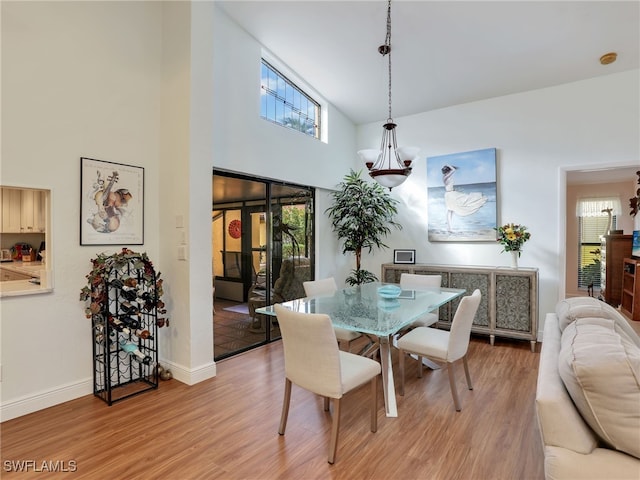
(285,406)
(333,446)
(374,404)
(452,384)
(419,366)
(466,372)
(326,404)
(401,362)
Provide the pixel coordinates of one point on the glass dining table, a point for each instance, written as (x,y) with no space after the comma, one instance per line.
(363,309)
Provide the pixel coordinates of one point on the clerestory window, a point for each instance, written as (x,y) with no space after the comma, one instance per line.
(283,103)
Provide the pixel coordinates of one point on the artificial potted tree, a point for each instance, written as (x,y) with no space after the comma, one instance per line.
(362,214)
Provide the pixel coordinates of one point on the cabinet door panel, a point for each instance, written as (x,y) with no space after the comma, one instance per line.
(513,302)
(471,281)
(11,205)
(27,199)
(392,275)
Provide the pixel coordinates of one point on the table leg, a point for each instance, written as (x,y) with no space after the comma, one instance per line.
(388,386)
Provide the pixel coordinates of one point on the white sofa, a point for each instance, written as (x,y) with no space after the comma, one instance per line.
(588,338)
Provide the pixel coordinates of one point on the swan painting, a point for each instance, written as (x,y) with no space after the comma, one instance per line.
(462,196)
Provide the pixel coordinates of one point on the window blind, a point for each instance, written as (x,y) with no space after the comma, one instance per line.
(591,229)
(593,207)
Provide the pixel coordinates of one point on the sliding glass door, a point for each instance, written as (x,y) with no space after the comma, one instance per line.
(262,252)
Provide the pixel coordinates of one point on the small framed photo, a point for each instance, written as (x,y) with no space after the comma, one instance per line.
(111,203)
(404,256)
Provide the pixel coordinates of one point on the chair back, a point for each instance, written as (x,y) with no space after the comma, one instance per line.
(412,281)
(311,355)
(314,288)
(461,326)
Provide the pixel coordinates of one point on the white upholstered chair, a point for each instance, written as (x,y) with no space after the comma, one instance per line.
(412,281)
(441,345)
(327,286)
(313,361)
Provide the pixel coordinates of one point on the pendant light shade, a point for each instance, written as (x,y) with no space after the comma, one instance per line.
(390,165)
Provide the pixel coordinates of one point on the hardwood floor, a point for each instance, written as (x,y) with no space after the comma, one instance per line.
(226,427)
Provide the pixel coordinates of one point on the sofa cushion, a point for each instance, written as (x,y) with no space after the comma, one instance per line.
(600,367)
(561,425)
(571,309)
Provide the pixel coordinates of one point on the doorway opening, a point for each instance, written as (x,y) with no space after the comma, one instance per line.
(262,250)
(588,182)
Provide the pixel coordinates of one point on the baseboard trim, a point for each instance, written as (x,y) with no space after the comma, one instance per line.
(64,393)
(40,401)
(191,376)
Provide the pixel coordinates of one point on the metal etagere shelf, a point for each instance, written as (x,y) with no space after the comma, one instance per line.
(125,332)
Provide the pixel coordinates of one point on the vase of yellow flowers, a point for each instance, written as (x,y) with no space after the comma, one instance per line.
(512,237)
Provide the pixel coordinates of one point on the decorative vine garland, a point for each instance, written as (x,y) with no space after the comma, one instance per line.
(94,294)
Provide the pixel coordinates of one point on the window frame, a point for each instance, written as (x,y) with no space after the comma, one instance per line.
(292,93)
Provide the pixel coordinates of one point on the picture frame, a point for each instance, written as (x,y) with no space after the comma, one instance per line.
(404,256)
(111,203)
(462,196)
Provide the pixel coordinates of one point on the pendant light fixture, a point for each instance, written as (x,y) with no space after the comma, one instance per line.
(390,165)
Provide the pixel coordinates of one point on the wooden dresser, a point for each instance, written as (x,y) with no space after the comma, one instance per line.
(509,305)
(613,250)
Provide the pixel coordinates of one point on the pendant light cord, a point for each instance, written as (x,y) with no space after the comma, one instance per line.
(387,43)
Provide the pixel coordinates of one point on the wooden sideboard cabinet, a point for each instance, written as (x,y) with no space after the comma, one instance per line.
(613,250)
(509,305)
(630,305)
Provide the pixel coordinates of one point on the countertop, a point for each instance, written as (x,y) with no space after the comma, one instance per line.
(37,270)
(32,268)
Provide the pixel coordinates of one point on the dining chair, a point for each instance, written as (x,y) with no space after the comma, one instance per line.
(412,281)
(327,286)
(442,345)
(313,361)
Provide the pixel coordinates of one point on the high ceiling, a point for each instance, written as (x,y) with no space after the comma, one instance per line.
(443,53)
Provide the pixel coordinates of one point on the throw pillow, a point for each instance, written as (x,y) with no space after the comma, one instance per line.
(600,368)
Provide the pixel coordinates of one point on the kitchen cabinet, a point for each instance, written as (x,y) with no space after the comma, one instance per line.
(11,210)
(23,210)
(32,211)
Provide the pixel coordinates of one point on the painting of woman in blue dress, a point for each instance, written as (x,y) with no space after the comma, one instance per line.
(462,196)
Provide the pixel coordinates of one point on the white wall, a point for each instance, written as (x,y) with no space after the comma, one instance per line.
(245,143)
(78,79)
(539,135)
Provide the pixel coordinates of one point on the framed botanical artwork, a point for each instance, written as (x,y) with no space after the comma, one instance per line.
(111,203)
(462,196)
(404,256)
